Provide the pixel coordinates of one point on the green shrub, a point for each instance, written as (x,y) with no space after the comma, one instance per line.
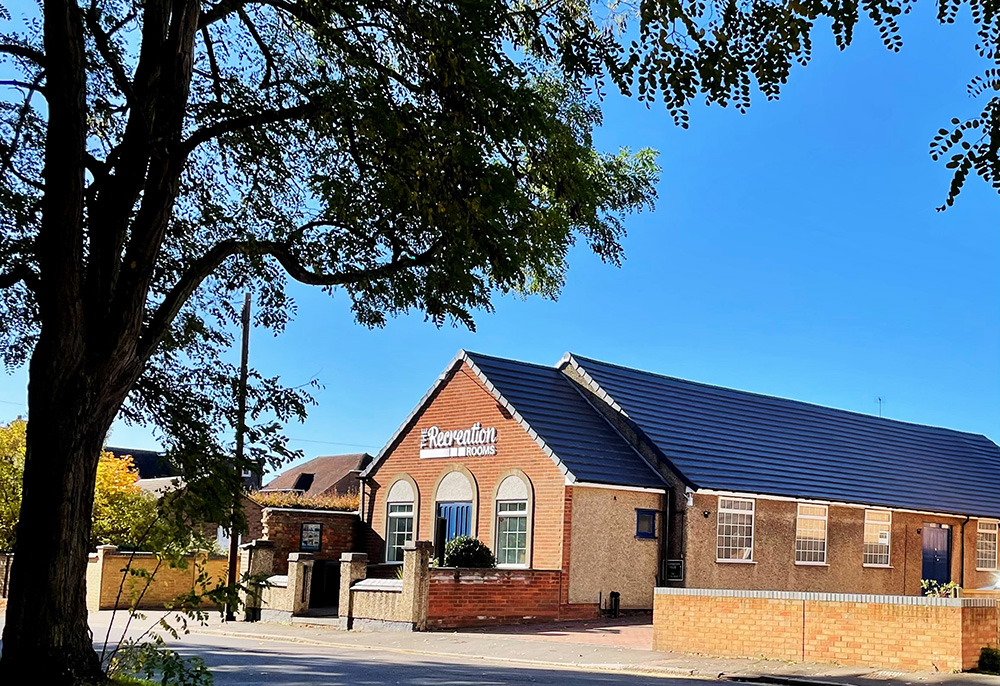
(936,589)
(989,660)
(465,551)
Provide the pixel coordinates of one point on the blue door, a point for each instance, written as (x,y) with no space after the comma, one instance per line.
(459,519)
(937,553)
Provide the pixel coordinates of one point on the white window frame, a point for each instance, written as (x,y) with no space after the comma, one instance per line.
(825,518)
(721,510)
(392,516)
(888,554)
(995,531)
(520,514)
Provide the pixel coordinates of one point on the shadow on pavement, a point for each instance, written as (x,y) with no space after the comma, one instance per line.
(301,666)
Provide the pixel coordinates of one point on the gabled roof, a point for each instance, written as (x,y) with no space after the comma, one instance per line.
(321,475)
(729,440)
(548,406)
(583,440)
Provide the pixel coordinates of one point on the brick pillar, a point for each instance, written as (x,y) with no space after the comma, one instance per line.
(416,581)
(353,567)
(105,601)
(300,567)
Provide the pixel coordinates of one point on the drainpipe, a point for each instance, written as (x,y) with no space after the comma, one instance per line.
(961,573)
(664,532)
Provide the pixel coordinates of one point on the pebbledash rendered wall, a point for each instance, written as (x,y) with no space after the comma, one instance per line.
(904,632)
(774,567)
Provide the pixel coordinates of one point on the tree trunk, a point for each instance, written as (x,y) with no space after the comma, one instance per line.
(46,634)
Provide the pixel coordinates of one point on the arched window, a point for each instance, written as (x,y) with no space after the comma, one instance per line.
(455,502)
(513,521)
(400,508)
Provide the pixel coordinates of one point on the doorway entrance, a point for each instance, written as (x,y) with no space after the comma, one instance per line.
(457,518)
(937,553)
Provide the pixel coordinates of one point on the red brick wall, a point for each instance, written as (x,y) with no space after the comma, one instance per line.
(461,401)
(283,527)
(484,597)
(920,635)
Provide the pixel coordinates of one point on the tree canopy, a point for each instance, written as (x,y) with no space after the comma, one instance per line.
(403,153)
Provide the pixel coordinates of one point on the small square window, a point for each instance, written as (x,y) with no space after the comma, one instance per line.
(645,523)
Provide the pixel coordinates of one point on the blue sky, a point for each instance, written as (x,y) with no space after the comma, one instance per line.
(794,251)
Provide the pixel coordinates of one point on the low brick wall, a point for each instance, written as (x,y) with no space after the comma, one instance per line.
(483,597)
(903,632)
(106,575)
(283,527)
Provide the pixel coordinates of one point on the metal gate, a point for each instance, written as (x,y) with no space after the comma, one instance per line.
(324,589)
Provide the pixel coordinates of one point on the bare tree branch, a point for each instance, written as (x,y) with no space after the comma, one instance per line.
(216,77)
(8,154)
(204,266)
(212,131)
(23,51)
(269,63)
(20,273)
(103,42)
(24,84)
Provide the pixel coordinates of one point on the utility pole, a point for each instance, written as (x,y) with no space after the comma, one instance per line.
(241,399)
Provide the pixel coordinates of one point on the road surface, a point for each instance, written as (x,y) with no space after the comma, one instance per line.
(247,662)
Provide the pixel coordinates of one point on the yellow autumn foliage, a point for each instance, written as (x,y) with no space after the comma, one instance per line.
(12,448)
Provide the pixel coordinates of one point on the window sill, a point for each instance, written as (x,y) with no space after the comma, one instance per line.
(878,566)
(812,564)
(986,569)
(737,562)
(513,567)
(645,538)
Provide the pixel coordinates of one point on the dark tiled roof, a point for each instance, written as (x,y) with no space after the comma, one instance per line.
(322,475)
(580,437)
(151,464)
(724,439)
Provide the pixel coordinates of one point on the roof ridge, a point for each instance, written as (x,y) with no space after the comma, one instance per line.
(472,353)
(828,408)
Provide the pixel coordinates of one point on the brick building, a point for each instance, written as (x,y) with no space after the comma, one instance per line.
(623,480)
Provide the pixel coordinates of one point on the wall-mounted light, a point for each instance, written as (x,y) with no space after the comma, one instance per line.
(689,494)
(706,514)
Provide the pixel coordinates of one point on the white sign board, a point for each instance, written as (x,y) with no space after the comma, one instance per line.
(476,441)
